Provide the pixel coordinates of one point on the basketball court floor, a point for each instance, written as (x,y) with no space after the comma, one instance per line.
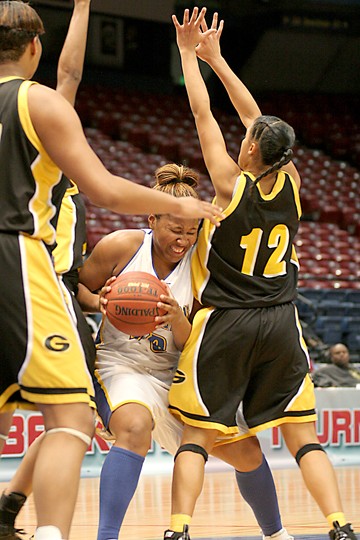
(220,513)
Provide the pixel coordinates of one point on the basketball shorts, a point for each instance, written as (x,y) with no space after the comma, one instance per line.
(85,334)
(41,354)
(252,361)
(118,384)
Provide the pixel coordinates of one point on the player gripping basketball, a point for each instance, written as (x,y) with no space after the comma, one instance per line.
(134,373)
(132,303)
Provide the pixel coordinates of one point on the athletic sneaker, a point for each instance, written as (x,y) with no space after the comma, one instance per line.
(8,532)
(346,532)
(280,535)
(10,506)
(172,535)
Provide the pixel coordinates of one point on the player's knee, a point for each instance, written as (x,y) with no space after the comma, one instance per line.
(132,426)
(306,449)
(136,438)
(195,448)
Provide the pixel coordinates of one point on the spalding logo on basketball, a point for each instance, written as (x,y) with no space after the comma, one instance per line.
(132,303)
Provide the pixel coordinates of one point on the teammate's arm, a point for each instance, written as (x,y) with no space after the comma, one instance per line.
(71,61)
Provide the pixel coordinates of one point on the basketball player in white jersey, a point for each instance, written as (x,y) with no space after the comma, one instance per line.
(134,373)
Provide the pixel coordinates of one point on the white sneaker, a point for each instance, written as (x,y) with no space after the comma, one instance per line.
(280,535)
(48,532)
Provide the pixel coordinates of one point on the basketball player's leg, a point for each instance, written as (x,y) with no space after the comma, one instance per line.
(19,488)
(131,426)
(69,430)
(21,482)
(255,481)
(319,476)
(190,461)
(316,468)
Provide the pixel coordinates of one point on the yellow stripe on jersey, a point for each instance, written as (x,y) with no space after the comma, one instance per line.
(10,78)
(199,271)
(44,170)
(296,196)
(65,233)
(73,189)
(279,184)
(280,181)
(294,258)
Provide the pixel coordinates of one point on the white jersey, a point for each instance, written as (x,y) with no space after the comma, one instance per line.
(140,369)
(155,351)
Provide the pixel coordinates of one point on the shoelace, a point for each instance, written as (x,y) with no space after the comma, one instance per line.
(339,534)
(186,533)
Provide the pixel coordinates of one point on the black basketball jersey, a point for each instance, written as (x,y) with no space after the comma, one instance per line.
(27,174)
(250,260)
(70,232)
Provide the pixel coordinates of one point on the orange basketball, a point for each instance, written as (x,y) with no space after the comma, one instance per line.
(132,302)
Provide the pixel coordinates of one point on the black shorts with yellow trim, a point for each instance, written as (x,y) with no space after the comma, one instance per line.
(41,354)
(251,363)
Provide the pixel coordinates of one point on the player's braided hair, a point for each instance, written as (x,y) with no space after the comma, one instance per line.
(275,139)
(19,24)
(177,180)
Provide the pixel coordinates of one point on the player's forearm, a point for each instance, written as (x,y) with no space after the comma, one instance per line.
(88,301)
(181,332)
(71,61)
(241,98)
(194,83)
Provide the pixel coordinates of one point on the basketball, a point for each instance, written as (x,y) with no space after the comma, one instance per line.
(132,303)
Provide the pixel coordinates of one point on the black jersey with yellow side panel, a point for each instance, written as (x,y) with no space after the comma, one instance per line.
(70,232)
(27,174)
(250,260)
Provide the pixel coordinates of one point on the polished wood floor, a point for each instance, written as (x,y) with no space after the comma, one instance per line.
(220,513)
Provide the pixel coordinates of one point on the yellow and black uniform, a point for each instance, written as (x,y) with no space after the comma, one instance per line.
(70,246)
(246,345)
(68,257)
(41,352)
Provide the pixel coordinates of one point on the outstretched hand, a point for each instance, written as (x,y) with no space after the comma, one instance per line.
(194,208)
(189,33)
(209,47)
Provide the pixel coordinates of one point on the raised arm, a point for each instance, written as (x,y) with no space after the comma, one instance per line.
(222,168)
(71,61)
(209,51)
